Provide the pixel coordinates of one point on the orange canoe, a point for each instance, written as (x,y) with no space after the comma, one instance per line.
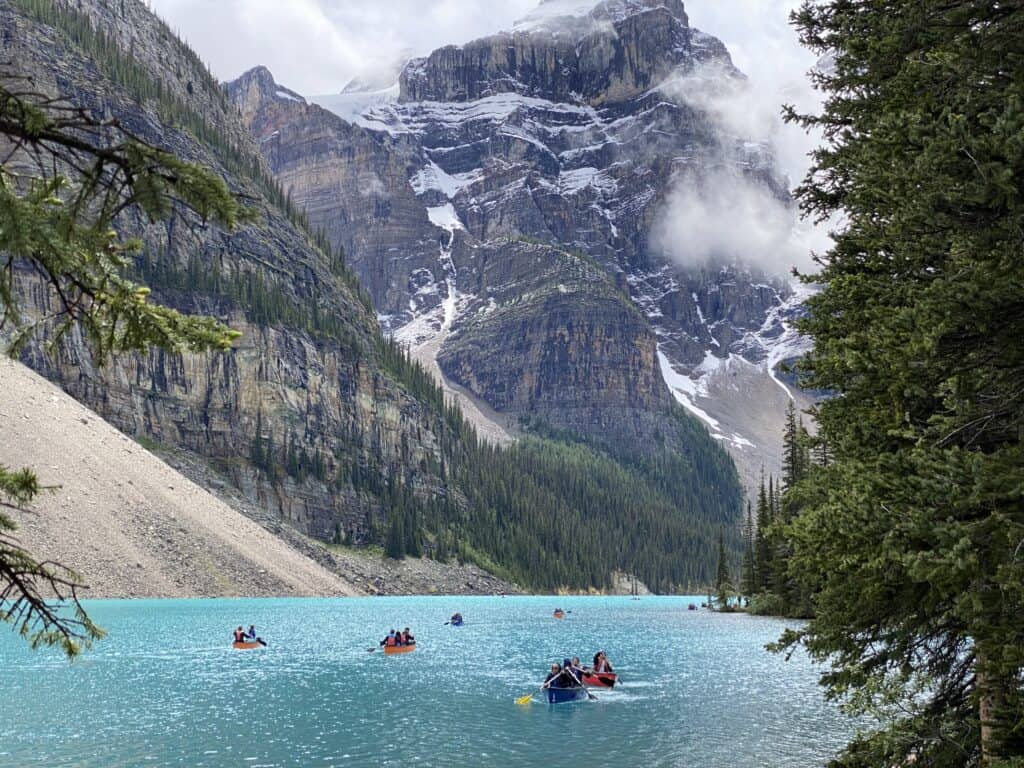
(390,649)
(247,646)
(559,615)
(600,679)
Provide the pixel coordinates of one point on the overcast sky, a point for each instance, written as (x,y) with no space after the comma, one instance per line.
(315,46)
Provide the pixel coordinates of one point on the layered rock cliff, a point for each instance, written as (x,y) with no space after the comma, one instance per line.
(307,379)
(571,132)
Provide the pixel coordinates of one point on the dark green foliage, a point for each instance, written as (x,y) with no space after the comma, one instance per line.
(722,584)
(394,544)
(910,538)
(26,582)
(795,449)
(748,581)
(271,305)
(764,561)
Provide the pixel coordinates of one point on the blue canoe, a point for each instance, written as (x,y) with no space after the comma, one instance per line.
(562,695)
(456,623)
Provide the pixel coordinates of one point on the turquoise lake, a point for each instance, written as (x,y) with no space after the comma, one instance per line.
(166,689)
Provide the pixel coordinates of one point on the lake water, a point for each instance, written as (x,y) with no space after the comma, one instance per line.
(166,689)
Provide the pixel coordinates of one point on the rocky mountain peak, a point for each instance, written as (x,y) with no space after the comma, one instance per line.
(568,51)
(256,87)
(564,13)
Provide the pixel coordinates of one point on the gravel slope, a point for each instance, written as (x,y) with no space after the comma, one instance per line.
(127,522)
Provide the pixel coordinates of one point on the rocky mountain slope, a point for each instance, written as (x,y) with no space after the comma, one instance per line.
(313,417)
(502,206)
(126,522)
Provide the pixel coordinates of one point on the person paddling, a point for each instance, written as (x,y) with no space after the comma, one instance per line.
(568,679)
(407,638)
(577,667)
(239,634)
(390,640)
(549,681)
(251,635)
(601,663)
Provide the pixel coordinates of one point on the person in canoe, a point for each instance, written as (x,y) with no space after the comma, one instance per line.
(407,638)
(239,635)
(456,619)
(251,636)
(569,678)
(390,640)
(601,663)
(553,675)
(576,667)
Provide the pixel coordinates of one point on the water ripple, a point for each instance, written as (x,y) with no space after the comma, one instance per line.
(165,688)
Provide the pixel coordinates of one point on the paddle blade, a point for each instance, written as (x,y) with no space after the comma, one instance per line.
(525,699)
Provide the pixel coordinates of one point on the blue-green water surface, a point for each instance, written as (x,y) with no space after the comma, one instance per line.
(166,689)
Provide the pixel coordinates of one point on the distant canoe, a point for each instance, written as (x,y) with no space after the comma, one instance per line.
(600,679)
(391,649)
(562,695)
(246,646)
(457,623)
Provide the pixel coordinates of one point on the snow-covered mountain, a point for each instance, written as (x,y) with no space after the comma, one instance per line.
(561,220)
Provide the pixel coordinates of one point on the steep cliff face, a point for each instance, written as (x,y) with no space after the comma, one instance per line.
(555,340)
(615,52)
(572,131)
(307,380)
(581,358)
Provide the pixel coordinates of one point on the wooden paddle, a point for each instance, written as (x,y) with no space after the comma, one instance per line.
(590,696)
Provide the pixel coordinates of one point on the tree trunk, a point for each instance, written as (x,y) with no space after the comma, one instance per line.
(991,699)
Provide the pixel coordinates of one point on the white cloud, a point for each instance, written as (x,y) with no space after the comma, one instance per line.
(764,46)
(316,46)
(725,217)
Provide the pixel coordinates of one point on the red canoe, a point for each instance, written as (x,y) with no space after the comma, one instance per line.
(247,646)
(600,679)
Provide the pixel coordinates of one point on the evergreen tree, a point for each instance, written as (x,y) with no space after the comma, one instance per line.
(748,585)
(722,585)
(794,448)
(910,538)
(763,559)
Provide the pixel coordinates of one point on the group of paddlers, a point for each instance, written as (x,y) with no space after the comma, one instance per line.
(569,674)
(398,638)
(240,635)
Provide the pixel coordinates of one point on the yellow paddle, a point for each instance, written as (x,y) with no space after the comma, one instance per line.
(529,697)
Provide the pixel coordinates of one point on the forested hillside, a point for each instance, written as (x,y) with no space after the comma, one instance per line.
(313,414)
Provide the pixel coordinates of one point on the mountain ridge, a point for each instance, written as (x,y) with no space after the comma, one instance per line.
(501,163)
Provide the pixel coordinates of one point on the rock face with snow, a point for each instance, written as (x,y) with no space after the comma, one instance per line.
(502,210)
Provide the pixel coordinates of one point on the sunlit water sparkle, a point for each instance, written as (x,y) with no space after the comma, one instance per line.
(166,689)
